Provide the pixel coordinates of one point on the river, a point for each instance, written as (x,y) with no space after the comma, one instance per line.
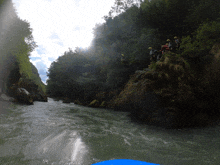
(55,133)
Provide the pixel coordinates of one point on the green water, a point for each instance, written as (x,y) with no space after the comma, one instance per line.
(66,134)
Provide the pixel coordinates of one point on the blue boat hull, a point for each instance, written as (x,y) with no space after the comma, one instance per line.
(124,162)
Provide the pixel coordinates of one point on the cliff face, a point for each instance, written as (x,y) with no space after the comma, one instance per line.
(171,94)
(139,97)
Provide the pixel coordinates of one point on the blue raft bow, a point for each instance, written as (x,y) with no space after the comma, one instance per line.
(124,162)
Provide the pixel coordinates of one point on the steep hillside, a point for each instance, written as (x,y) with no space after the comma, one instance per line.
(16,44)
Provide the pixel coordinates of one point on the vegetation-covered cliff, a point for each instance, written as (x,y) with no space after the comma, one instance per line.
(180,90)
(16,44)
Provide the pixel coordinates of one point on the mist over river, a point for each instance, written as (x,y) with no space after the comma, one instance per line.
(55,133)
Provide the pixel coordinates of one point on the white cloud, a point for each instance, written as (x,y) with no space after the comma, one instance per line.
(71,20)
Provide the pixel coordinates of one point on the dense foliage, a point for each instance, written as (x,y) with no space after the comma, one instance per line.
(129,29)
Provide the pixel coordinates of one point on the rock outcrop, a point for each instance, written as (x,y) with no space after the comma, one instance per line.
(34,89)
(23,96)
(169,95)
(29,88)
(139,98)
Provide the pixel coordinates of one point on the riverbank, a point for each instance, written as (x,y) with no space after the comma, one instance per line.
(170,93)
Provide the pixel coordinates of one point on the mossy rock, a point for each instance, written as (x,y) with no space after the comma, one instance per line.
(94,103)
(23,96)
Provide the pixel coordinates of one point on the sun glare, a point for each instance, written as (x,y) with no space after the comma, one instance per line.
(58,26)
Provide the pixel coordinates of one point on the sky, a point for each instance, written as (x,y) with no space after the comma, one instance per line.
(58,25)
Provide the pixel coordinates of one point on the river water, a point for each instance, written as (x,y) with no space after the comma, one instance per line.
(67,134)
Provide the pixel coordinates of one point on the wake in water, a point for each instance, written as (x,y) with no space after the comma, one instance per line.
(66,147)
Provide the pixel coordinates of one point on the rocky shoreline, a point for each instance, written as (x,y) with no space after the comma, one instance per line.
(21,95)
